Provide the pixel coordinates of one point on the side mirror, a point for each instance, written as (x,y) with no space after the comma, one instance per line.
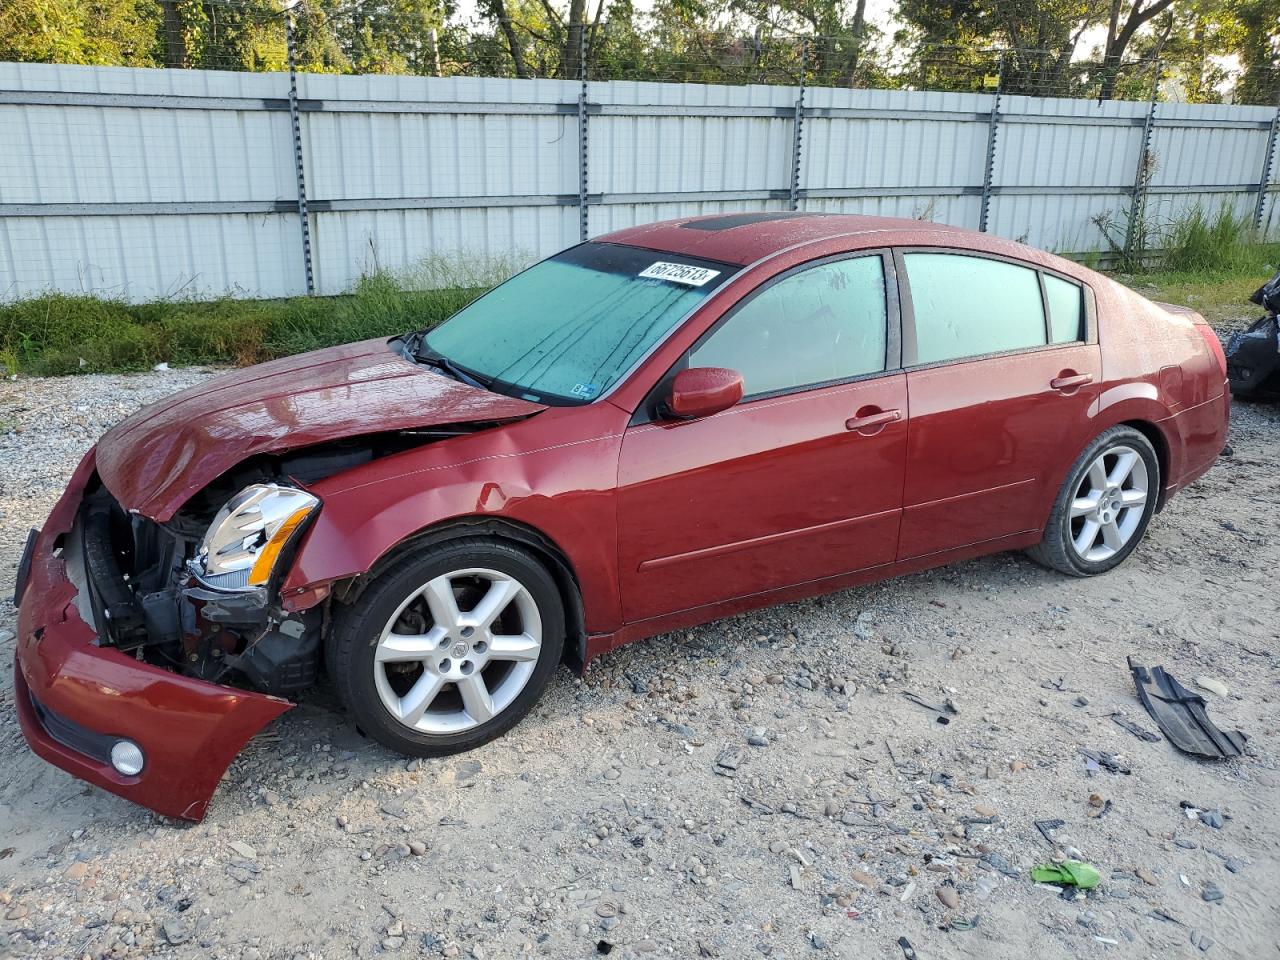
(702,391)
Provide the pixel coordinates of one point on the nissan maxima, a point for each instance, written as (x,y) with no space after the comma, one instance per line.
(659,427)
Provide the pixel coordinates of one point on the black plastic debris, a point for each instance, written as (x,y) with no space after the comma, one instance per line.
(908,951)
(1253,360)
(1142,733)
(1180,714)
(1253,355)
(1107,761)
(942,712)
(999,864)
(1046,828)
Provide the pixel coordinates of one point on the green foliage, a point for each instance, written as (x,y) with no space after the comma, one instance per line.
(1219,242)
(104,32)
(1221,298)
(1212,50)
(1213,267)
(57,334)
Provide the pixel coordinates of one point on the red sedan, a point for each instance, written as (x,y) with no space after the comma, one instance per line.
(663,426)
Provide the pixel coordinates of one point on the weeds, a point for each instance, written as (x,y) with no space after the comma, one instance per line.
(1196,242)
(1211,262)
(57,334)
(1221,242)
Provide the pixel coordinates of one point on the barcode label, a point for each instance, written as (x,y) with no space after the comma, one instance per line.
(679,273)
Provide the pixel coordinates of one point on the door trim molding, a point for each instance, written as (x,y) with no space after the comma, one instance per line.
(770,538)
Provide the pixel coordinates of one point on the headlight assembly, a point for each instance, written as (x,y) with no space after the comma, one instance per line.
(242,545)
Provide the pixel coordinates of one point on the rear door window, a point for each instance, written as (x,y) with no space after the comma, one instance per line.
(970,306)
(1066,309)
(821,324)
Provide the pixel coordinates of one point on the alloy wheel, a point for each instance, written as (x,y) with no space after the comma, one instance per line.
(1108,505)
(458,651)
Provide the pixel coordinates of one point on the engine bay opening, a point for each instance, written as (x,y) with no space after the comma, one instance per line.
(147,595)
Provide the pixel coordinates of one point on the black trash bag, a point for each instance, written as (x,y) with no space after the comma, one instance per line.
(1253,355)
(1267,296)
(1253,360)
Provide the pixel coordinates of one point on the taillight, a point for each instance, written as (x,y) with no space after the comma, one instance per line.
(1215,345)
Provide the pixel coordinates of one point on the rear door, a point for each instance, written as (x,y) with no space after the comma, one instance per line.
(1003,368)
(801,480)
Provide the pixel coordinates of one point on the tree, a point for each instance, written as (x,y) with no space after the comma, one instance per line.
(955,42)
(106,32)
(1257,42)
(1122,25)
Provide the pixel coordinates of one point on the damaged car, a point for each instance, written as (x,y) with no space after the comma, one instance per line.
(663,426)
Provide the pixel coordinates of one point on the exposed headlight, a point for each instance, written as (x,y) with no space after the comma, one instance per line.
(243,543)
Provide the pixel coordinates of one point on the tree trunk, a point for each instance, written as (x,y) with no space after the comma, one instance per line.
(1118,39)
(175,46)
(571,55)
(1110,60)
(859,25)
(498,10)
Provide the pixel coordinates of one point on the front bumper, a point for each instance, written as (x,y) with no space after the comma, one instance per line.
(74,697)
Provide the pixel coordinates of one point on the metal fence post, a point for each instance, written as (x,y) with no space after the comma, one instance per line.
(1268,163)
(993,131)
(1141,177)
(297,150)
(583,218)
(797,130)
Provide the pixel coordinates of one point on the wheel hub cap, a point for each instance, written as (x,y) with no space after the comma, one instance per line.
(458,651)
(1109,504)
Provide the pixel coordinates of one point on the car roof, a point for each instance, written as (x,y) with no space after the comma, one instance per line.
(744,238)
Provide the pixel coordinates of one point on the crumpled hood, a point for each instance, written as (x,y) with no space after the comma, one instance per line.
(156,459)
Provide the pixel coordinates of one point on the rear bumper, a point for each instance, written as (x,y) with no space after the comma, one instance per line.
(1200,433)
(75,698)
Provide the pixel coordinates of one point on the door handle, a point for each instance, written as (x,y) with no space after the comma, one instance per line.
(1071,381)
(872,419)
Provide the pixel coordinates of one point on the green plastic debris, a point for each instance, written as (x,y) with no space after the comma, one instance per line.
(1068,873)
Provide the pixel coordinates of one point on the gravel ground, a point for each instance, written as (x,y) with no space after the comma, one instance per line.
(756,786)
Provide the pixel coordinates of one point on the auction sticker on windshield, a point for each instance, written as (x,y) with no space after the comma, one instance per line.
(679,273)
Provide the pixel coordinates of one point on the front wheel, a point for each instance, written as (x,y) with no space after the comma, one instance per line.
(1104,507)
(450,647)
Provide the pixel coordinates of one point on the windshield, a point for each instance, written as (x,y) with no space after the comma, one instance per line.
(566,329)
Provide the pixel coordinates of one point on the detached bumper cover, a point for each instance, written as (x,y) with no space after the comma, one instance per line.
(75,698)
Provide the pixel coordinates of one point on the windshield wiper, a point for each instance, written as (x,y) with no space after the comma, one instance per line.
(424,354)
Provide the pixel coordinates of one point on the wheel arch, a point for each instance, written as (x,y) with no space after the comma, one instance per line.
(1155,436)
(543,547)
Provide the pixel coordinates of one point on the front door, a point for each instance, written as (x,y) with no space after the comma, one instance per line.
(800,481)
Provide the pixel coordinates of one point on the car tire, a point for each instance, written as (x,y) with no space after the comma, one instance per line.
(402,643)
(1103,509)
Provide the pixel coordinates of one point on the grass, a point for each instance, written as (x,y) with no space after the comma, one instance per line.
(1223,242)
(1212,263)
(58,334)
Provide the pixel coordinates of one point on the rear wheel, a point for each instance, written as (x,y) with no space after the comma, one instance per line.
(1104,507)
(450,647)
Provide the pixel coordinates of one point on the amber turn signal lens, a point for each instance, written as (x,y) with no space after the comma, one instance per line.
(266,561)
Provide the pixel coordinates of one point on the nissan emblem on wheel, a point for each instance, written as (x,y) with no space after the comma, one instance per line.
(647,431)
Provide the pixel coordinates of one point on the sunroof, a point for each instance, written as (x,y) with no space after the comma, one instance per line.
(729,221)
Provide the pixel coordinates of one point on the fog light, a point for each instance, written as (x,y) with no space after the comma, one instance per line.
(127,758)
